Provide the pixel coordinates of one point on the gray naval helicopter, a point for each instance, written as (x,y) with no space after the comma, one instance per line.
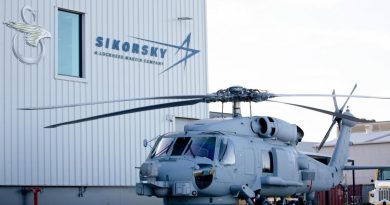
(249,158)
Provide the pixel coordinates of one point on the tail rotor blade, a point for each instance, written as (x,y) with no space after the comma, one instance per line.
(133,110)
(327,135)
(335,119)
(346,101)
(336,107)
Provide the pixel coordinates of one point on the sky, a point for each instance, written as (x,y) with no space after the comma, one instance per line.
(302,46)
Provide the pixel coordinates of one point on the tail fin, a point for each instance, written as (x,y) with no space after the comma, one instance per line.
(341,151)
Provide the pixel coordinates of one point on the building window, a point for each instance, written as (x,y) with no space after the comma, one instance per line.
(268,165)
(70,44)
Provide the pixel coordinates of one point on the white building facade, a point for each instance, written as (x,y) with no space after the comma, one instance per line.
(77,51)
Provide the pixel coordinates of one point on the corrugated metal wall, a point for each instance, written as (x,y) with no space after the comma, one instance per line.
(103,152)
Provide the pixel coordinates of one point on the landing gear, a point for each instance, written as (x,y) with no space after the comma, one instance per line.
(262,201)
(293,203)
(282,201)
(243,192)
(259,200)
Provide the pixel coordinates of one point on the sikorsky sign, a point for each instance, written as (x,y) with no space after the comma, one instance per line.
(144,50)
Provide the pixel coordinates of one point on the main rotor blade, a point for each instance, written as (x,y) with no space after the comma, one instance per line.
(133,110)
(327,135)
(339,115)
(328,95)
(115,101)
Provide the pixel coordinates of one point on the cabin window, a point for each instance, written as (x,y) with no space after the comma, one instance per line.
(227,155)
(69,44)
(268,166)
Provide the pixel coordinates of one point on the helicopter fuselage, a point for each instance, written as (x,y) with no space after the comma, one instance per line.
(213,161)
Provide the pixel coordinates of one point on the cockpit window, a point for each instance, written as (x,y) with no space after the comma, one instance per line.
(180,145)
(201,147)
(226,154)
(190,146)
(163,146)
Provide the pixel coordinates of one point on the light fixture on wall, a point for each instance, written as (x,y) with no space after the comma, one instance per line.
(184,18)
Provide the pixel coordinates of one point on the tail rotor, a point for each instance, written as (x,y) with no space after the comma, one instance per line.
(335,119)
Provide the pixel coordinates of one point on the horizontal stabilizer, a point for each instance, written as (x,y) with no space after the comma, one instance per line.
(365,167)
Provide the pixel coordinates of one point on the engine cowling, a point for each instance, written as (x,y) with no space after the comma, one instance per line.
(269,127)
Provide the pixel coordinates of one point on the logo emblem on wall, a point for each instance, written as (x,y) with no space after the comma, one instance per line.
(33,36)
(189,52)
(145,50)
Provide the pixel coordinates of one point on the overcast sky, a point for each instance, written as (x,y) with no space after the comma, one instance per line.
(302,46)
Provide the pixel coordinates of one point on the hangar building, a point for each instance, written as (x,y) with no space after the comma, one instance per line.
(59,52)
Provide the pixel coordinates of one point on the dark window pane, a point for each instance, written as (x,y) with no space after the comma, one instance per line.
(267,162)
(180,145)
(69,44)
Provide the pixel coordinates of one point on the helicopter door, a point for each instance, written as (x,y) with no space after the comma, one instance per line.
(286,164)
(246,162)
(249,161)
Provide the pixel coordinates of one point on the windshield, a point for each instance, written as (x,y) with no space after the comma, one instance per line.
(180,145)
(162,147)
(384,174)
(201,147)
(189,146)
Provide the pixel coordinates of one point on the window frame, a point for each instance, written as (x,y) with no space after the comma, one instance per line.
(82,61)
(229,144)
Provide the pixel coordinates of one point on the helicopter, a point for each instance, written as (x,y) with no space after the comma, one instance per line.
(219,161)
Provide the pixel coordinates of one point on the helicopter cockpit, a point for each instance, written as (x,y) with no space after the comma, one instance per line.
(196,153)
(203,146)
(173,145)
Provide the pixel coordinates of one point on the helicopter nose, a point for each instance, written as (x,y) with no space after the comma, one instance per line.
(148,170)
(176,170)
(164,177)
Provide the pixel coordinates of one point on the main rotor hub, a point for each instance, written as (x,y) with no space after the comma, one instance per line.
(240,94)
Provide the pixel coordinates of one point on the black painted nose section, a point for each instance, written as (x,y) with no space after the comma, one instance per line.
(204,175)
